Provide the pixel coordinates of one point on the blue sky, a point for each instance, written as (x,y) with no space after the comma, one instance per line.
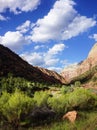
(49,33)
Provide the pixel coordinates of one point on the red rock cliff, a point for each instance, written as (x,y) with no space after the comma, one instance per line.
(75,70)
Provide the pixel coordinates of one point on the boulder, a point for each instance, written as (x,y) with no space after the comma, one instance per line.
(42,114)
(71,116)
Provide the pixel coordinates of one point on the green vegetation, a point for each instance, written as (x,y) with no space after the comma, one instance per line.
(86,121)
(24,103)
(77,84)
(10,84)
(16,106)
(66,89)
(41,98)
(79,99)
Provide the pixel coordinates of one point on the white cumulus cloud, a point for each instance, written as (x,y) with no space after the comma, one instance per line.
(33,58)
(79,25)
(24,27)
(56,49)
(94,36)
(2,18)
(51,55)
(13,40)
(17,6)
(61,23)
(45,59)
(39,47)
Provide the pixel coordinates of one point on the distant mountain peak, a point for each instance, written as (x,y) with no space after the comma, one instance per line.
(93,52)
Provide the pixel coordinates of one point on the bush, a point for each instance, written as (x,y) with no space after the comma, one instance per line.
(77,84)
(41,98)
(3,100)
(17,108)
(59,103)
(80,99)
(66,89)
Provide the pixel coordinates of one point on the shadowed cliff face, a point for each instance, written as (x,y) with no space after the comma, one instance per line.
(73,71)
(12,63)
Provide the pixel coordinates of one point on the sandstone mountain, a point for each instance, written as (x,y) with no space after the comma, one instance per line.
(69,73)
(12,63)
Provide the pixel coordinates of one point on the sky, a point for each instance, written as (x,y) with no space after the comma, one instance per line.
(49,33)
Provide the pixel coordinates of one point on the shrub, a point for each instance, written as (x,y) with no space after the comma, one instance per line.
(3,100)
(41,98)
(77,84)
(80,99)
(17,108)
(67,89)
(59,103)
(64,89)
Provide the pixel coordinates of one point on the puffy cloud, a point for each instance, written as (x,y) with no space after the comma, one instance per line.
(33,58)
(13,40)
(2,18)
(51,61)
(45,59)
(53,23)
(61,23)
(94,36)
(17,6)
(24,27)
(56,49)
(50,56)
(79,25)
(39,46)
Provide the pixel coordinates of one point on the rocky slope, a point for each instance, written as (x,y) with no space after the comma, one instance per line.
(73,71)
(12,63)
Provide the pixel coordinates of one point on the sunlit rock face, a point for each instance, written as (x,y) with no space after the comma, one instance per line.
(75,70)
(92,56)
(69,72)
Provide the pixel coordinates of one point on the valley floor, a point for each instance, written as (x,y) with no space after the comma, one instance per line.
(86,121)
